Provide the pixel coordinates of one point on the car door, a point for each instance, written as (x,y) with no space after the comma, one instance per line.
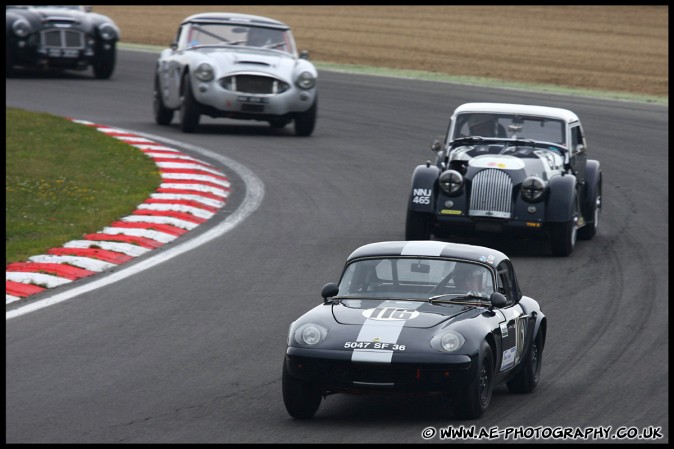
(514,321)
(170,70)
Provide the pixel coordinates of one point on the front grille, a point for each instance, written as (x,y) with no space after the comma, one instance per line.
(254,84)
(491,194)
(56,38)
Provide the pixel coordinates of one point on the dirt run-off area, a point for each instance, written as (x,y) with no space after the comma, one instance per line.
(621,49)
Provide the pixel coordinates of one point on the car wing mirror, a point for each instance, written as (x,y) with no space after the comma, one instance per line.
(329,290)
(580,148)
(304,54)
(436,146)
(174,46)
(497,300)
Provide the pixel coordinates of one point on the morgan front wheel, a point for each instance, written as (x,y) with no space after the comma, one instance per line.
(563,238)
(418,225)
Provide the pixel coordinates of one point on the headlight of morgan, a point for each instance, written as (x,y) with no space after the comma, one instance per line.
(451,181)
(306,80)
(533,188)
(310,334)
(107,31)
(21,27)
(448,341)
(204,72)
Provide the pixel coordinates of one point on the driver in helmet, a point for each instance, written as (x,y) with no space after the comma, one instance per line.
(470,278)
(485,125)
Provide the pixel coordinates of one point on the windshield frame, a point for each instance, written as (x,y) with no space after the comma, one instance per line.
(402,285)
(204,34)
(509,125)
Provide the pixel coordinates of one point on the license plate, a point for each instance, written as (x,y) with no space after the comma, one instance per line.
(63,53)
(256,100)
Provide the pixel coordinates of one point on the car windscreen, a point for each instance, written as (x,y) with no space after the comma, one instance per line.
(510,126)
(239,35)
(411,278)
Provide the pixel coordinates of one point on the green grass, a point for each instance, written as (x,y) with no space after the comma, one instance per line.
(64,180)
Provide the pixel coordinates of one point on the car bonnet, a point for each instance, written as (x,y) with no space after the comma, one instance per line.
(228,61)
(416,314)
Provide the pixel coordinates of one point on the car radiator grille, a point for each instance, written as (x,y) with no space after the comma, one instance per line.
(491,194)
(254,84)
(62,39)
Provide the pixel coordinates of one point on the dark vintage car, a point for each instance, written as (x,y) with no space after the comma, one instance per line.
(508,168)
(235,66)
(417,317)
(59,37)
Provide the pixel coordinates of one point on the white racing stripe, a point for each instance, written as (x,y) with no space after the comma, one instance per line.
(382,331)
(425,248)
(161,220)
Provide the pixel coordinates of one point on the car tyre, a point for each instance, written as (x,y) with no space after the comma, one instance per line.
(300,398)
(527,378)
(306,121)
(189,108)
(474,400)
(588,231)
(418,225)
(105,65)
(563,238)
(162,114)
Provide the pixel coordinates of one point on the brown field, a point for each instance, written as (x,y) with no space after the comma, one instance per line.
(608,48)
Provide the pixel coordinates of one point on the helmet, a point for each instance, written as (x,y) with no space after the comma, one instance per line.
(467,272)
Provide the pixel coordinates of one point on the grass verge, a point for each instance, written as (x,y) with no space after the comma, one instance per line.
(64,180)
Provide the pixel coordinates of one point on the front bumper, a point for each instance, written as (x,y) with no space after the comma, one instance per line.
(220,102)
(27,53)
(334,371)
(445,225)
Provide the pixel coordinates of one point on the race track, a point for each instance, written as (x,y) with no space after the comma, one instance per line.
(190,349)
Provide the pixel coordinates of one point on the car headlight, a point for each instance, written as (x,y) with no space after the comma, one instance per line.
(448,341)
(21,27)
(310,334)
(306,80)
(532,188)
(451,181)
(204,72)
(107,31)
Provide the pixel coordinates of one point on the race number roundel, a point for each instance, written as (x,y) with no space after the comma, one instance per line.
(390,313)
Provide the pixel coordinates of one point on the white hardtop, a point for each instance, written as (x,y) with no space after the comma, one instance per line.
(523,109)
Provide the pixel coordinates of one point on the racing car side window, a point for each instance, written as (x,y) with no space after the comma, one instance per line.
(505,282)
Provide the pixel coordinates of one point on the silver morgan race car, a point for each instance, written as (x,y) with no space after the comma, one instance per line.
(235,66)
(508,168)
(417,317)
(59,37)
